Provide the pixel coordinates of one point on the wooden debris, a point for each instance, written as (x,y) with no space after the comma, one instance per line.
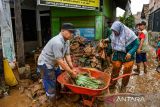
(24,72)
(1,93)
(88,53)
(35,92)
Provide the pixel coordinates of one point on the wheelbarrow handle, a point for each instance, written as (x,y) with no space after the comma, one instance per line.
(122,76)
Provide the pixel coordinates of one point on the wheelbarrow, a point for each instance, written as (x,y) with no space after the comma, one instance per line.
(64,79)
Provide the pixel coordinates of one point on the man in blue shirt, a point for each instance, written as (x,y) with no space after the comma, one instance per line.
(54,53)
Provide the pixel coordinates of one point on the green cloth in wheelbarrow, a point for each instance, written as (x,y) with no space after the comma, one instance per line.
(64,79)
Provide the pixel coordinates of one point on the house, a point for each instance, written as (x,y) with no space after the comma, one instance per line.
(154,14)
(145,13)
(137,17)
(38,19)
(94,20)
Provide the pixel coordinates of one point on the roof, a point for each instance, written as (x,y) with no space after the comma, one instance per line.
(122,3)
(145,11)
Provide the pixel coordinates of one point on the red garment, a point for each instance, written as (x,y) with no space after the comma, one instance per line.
(142,36)
(158,53)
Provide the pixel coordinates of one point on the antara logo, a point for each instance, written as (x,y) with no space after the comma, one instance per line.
(129,99)
(123,98)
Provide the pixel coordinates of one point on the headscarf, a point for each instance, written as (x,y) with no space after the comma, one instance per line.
(125,37)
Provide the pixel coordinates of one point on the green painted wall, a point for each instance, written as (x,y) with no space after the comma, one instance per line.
(109,9)
(99,27)
(85,21)
(82,18)
(67,12)
(55,26)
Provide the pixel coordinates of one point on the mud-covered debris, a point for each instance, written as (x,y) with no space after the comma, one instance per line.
(101,46)
(87,53)
(1,93)
(4,90)
(24,72)
(25,82)
(89,50)
(35,103)
(35,88)
(40,92)
(79,39)
(28,93)
(42,99)
(74,46)
(94,62)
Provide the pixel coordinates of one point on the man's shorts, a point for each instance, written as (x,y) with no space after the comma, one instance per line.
(141,58)
(49,79)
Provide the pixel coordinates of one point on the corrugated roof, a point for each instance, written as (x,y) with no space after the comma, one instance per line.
(122,3)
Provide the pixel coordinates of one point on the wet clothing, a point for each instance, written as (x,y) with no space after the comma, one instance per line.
(119,59)
(49,79)
(117,65)
(55,49)
(125,42)
(131,49)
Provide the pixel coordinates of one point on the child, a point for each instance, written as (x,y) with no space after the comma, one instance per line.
(143,48)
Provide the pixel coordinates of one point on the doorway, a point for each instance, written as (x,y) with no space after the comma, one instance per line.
(45,29)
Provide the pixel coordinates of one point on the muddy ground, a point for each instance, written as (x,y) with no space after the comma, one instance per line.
(142,91)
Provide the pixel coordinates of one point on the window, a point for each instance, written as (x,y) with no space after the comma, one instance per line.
(156,22)
(150,22)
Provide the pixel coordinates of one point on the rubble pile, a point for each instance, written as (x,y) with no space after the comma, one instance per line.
(86,53)
(4,90)
(24,72)
(35,92)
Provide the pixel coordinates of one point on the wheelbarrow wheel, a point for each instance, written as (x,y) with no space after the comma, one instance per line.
(72,97)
